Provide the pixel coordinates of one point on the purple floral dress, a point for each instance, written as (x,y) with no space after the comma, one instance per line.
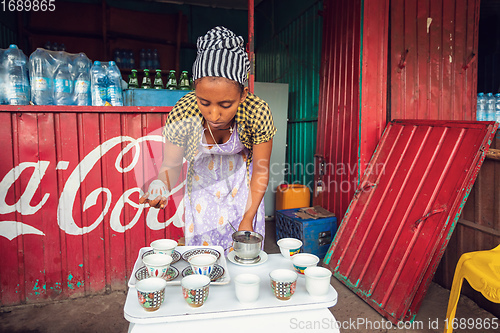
(219,194)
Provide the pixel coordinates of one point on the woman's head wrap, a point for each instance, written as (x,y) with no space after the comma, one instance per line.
(221,53)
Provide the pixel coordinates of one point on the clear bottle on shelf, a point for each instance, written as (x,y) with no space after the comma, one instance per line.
(156,59)
(142,59)
(481,107)
(149,60)
(17,88)
(131,59)
(172,80)
(158,82)
(82,94)
(490,107)
(146,80)
(497,108)
(41,76)
(115,93)
(63,83)
(98,84)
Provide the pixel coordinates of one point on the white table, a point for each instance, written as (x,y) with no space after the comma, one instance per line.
(222,310)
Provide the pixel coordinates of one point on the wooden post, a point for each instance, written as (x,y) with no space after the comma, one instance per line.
(178,45)
(104,20)
(251,54)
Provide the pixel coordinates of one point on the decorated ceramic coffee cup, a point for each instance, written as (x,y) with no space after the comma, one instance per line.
(283,283)
(195,289)
(157,265)
(203,263)
(151,293)
(301,261)
(157,188)
(289,247)
(164,246)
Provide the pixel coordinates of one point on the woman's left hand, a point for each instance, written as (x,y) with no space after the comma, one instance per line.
(245,225)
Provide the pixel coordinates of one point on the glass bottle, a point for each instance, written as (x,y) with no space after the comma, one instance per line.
(172,81)
(133,81)
(184,81)
(146,80)
(158,83)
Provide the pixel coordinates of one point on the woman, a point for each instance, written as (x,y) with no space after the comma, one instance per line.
(225,133)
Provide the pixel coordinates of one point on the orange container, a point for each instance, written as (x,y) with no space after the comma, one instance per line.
(292,196)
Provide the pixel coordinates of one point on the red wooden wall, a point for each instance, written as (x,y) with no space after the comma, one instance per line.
(70,180)
(353,94)
(433,59)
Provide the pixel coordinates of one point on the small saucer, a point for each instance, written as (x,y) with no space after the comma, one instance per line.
(176,256)
(247,261)
(262,255)
(189,253)
(142,273)
(216,274)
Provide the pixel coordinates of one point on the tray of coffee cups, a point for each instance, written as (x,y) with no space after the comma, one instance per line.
(174,263)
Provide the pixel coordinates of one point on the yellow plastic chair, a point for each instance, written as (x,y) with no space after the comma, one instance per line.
(482,271)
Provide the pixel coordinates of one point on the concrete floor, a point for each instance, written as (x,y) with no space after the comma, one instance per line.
(104,313)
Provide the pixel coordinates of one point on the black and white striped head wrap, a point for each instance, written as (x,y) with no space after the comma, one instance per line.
(221,53)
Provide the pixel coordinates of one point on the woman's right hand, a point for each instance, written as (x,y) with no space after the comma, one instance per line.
(157,195)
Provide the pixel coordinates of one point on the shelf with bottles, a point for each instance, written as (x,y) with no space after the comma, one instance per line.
(488,107)
(154,80)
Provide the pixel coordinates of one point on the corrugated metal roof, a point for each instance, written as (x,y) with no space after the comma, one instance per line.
(405,209)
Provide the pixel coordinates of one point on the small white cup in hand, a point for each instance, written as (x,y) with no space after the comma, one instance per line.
(247,287)
(156,188)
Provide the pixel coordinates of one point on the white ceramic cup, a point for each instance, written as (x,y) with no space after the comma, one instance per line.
(164,246)
(317,280)
(157,265)
(202,263)
(247,287)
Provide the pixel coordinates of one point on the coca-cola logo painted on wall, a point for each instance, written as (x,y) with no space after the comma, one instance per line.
(114,203)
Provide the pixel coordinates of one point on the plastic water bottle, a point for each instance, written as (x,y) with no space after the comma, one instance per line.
(490,107)
(98,84)
(142,59)
(497,108)
(17,83)
(3,80)
(82,94)
(42,92)
(131,60)
(63,83)
(149,60)
(115,96)
(156,59)
(481,107)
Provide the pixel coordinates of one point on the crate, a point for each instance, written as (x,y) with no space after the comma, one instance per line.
(152,97)
(315,234)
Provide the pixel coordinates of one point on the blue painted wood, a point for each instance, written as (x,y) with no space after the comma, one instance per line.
(152,97)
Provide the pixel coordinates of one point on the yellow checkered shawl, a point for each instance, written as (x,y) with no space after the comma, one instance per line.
(184,127)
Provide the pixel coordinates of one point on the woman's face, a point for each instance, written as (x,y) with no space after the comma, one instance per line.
(218,99)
